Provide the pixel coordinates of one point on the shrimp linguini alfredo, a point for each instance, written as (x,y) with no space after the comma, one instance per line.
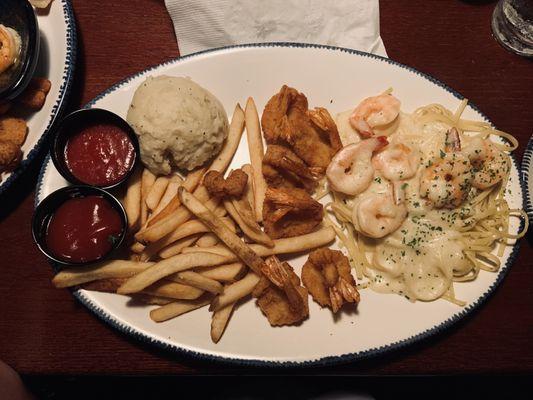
(419,199)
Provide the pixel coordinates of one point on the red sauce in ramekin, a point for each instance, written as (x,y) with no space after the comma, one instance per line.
(99,154)
(83,229)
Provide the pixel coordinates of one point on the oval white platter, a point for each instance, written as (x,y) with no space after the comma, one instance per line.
(57,57)
(527,175)
(337,79)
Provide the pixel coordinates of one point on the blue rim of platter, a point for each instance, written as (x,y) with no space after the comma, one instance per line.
(324,361)
(526,165)
(61,102)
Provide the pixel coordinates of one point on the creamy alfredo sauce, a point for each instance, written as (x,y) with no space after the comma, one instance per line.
(419,259)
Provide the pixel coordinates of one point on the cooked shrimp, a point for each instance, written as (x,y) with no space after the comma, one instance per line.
(396,162)
(446,181)
(327,276)
(374,112)
(9,48)
(377,215)
(351,170)
(490,164)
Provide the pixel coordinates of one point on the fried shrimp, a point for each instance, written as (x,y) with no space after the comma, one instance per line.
(377,215)
(313,136)
(351,170)
(327,276)
(375,113)
(290,212)
(283,168)
(446,181)
(284,305)
(9,47)
(490,164)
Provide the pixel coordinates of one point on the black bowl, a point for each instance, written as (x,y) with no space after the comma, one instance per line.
(71,124)
(44,211)
(19,15)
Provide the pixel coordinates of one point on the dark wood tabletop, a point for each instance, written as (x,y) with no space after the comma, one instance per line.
(46,331)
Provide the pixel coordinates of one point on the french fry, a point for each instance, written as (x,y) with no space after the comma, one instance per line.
(236,129)
(109,285)
(152,300)
(191,182)
(147,180)
(217,226)
(224,273)
(171,192)
(188,228)
(197,280)
(173,290)
(132,200)
(207,240)
(255,147)
(250,227)
(177,308)
(156,192)
(235,291)
(177,247)
(168,224)
(137,247)
(220,249)
(161,269)
(223,250)
(249,192)
(294,244)
(219,321)
(106,270)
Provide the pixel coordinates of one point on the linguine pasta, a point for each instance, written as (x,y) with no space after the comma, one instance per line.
(434,247)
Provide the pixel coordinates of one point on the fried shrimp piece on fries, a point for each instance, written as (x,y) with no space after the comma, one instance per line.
(285,305)
(286,120)
(283,168)
(290,212)
(327,276)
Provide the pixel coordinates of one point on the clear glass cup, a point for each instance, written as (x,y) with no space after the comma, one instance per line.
(512,26)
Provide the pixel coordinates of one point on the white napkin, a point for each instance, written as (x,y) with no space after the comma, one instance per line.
(205,24)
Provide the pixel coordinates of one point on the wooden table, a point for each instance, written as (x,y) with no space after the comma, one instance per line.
(45,331)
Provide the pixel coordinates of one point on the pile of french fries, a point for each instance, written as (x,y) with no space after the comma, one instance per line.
(192,250)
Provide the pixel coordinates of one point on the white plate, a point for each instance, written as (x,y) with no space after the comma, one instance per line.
(331,77)
(56,62)
(527,175)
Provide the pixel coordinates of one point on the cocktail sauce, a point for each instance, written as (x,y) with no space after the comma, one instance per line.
(83,229)
(99,154)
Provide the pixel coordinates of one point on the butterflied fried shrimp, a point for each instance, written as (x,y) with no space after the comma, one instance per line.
(283,168)
(286,119)
(322,119)
(290,212)
(327,276)
(233,185)
(282,306)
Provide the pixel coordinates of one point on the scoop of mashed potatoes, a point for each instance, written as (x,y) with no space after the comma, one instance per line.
(178,123)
